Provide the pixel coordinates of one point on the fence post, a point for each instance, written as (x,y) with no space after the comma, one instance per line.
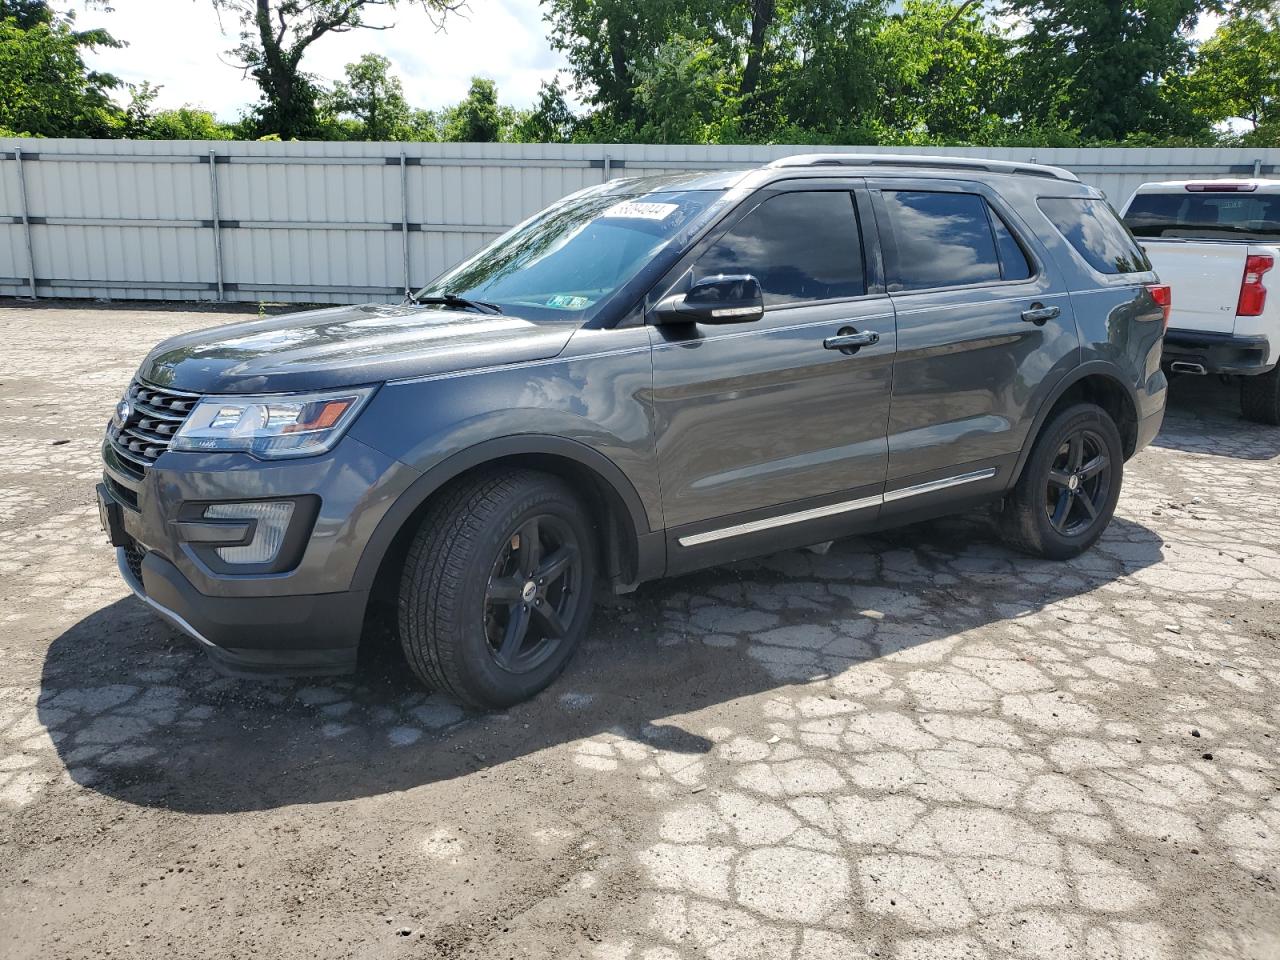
(404,220)
(216,221)
(26,223)
(1257,168)
(607,161)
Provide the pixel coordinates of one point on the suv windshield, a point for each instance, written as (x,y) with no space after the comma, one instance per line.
(568,261)
(1208,215)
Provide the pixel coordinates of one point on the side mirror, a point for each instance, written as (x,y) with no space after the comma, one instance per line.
(733,298)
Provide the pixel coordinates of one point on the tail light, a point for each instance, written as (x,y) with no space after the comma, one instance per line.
(1163,296)
(1253,295)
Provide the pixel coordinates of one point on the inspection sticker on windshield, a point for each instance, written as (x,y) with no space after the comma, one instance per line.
(564,301)
(637,210)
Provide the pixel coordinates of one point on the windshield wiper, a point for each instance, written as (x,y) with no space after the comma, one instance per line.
(462,303)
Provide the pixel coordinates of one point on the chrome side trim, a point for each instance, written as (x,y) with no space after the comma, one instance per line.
(942,484)
(834,509)
(132,583)
(831,510)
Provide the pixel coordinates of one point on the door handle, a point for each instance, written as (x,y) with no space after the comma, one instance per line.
(849,341)
(1039,314)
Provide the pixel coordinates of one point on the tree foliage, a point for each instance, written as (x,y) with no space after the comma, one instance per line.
(275,35)
(45,88)
(551,120)
(374,98)
(946,75)
(143,122)
(479,117)
(1100,67)
(1237,75)
(1000,72)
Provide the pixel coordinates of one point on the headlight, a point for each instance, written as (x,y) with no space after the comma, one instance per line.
(273,425)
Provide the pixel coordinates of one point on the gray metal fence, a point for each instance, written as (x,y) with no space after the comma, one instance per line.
(341,222)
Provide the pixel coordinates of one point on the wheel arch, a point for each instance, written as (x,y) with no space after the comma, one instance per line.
(632,552)
(1097,382)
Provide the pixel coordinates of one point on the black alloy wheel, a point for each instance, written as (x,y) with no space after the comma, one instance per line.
(534,591)
(1079,482)
(1067,491)
(497,586)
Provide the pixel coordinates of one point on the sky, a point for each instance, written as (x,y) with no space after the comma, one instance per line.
(180,45)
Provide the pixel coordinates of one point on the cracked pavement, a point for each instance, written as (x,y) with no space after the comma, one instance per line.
(919,745)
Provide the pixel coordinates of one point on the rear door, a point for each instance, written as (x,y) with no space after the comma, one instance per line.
(768,435)
(983,329)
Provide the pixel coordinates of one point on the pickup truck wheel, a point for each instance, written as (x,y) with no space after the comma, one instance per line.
(497,587)
(1069,487)
(1260,397)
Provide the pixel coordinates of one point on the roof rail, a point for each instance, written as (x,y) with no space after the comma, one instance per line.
(932,162)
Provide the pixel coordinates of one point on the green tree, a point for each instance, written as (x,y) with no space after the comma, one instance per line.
(685,89)
(143,122)
(374,97)
(771,68)
(477,118)
(275,35)
(1100,66)
(943,74)
(604,40)
(1236,75)
(551,120)
(425,126)
(189,123)
(823,82)
(46,90)
(27,13)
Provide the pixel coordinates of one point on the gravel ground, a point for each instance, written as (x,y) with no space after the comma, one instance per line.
(915,746)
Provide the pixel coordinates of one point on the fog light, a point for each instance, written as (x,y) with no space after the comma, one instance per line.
(268,536)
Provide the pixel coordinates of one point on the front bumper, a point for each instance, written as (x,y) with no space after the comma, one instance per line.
(306,619)
(257,636)
(1217,352)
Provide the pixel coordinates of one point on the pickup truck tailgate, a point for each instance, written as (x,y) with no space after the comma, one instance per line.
(1205,277)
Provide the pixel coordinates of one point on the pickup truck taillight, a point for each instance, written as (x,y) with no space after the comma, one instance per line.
(1163,296)
(1253,295)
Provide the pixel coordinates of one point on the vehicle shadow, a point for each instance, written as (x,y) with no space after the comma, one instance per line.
(137,714)
(1202,415)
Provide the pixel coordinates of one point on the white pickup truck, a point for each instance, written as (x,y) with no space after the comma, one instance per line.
(1214,242)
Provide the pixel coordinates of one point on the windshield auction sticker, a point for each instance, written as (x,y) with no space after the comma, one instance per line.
(564,301)
(637,210)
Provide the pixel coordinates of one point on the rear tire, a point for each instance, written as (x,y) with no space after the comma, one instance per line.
(1260,397)
(1069,486)
(497,587)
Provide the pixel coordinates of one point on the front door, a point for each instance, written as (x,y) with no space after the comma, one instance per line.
(770,433)
(984,329)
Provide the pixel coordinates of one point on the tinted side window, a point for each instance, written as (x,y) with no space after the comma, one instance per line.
(1013,261)
(943,239)
(1097,234)
(800,246)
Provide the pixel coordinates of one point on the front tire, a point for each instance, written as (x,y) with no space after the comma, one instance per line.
(497,587)
(1069,487)
(1260,397)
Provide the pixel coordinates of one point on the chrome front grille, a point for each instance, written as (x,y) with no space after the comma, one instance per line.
(148,418)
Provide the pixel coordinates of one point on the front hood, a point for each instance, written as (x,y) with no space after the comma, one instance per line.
(345,346)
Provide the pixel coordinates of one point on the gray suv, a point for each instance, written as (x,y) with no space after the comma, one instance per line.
(648,377)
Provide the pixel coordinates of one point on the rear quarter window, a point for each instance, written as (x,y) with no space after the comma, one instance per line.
(1096,233)
(945,239)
